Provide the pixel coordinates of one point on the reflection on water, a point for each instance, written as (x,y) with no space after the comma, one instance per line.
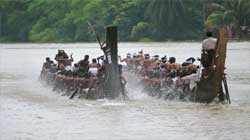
(28,110)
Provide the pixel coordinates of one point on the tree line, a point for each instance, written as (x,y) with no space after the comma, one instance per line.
(137,20)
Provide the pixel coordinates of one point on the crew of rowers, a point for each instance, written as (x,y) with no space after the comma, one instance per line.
(83,68)
(83,75)
(156,72)
(159,72)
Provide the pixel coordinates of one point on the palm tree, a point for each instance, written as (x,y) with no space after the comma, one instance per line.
(169,17)
(233,12)
(240,10)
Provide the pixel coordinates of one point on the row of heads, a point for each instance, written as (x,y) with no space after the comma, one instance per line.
(157,57)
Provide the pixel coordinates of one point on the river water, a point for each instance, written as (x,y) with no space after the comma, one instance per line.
(31,111)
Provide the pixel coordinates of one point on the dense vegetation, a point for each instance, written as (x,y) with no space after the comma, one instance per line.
(157,20)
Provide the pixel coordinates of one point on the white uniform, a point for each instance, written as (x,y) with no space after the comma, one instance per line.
(93,71)
(209,43)
(191,79)
(69,68)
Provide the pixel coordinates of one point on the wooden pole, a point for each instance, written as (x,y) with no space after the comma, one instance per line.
(112,87)
(219,59)
(0,24)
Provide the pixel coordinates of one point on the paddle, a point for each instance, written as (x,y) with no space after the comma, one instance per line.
(198,79)
(97,36)
(74,93)
(226,89)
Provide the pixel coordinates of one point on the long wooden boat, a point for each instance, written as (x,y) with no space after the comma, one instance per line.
(71,86)
(207,89)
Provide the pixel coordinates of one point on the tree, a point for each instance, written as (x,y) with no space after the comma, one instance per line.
(169,17)
(47,16)
(232,12)
(14,22)
(159,20)
(131,13)
(141,30)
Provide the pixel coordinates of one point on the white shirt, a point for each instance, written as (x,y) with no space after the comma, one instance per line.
(69,68)
(209,43)
(191,80)
(93,71)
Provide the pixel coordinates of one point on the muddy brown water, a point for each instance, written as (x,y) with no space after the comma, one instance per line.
(29,110)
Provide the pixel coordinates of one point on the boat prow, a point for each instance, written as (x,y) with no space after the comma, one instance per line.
(210,87)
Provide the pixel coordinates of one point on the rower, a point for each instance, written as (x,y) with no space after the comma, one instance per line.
(164,59)
(156,57)
(140,54)
(188,61)
(141,58)
(136,61)
(47,63)
(83,67)
(93,67)
(189,64)
(147,61)
(123,81)
(61,55)
(94,64)
(128,60)
(63,58)
(174,65)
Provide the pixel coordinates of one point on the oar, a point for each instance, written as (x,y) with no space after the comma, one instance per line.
(226,89)
(97,36)
(198,79)
(124,95)
(73,94)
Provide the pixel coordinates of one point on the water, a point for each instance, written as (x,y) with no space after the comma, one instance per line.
(28,110)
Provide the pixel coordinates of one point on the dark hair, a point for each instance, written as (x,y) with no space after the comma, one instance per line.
(86,57)
(164,59)
(119,66)
(172,59)
(192,59)
(76,65)
(209,34)
(93,60)
(47,59)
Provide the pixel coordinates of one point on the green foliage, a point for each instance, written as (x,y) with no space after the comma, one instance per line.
(13,21)
(159,20)
(231,12)
(170,19)
(141,30)
(215,20)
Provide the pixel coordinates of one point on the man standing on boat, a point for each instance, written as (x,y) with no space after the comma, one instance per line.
(83,67)
(208,47)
